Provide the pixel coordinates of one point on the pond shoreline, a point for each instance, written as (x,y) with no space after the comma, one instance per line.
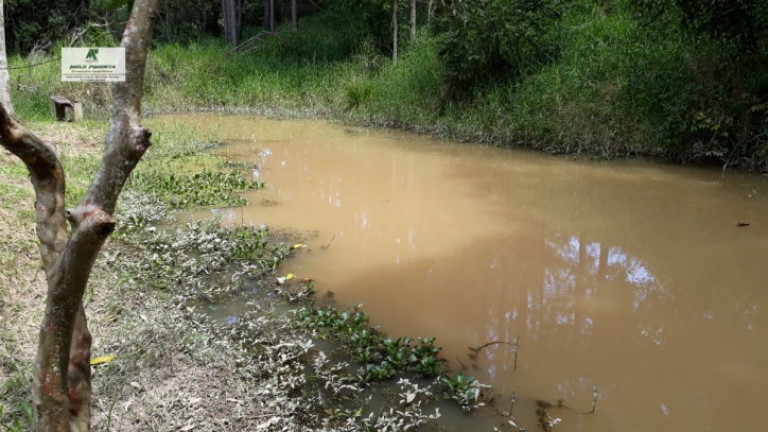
(173,368)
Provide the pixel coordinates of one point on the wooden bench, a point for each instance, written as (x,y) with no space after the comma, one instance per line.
(62,106)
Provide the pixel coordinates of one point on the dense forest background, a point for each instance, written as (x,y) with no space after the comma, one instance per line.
(685,80)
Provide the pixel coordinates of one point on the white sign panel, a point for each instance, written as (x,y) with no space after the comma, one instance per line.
(93,64)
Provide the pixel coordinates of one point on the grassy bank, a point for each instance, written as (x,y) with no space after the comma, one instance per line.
(614,88)
(170,365)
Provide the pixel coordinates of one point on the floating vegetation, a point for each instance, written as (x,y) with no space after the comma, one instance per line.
(184,177)
(202,189)
(465,390)
(380,357)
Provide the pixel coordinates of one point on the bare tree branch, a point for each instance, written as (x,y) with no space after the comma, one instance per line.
(127,140)
(47,176)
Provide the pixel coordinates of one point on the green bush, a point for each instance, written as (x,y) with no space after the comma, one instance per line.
(494,40)
(709,92)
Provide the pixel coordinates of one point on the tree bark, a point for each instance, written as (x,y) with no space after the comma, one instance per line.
(229,11)
(269,15)
(62,379)
(394,30)
(266,15)
(5,78)
(413,19)
(239,14)
(294,16)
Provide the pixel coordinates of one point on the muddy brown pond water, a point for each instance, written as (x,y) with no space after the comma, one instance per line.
(629,276)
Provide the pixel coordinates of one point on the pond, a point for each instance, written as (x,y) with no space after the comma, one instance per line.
(645,280)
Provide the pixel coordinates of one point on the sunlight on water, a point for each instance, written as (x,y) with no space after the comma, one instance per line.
(628,276)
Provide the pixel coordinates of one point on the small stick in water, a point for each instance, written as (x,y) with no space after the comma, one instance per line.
(478,349)
(512,403)
(594,400)
(329,243)
(517,348)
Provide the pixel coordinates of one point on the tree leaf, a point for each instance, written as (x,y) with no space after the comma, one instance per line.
(102,359)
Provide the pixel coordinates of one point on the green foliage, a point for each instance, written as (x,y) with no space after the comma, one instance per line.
(15,388)
(465,390)
(202,189)
(494,40)
(186,21)
(372,21)
(709,90)
(185,175)
(23,419)
(415,100)
(743,23)
(605,77)
(380,357)
(326,38)
(25,26)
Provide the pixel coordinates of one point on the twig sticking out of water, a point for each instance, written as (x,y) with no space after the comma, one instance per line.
(515,345)
(329,243)
(463,366)
(517,348)
(512,421)
(594,400)
(512,403)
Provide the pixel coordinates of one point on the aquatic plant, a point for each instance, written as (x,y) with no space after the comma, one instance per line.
(201,189)
(465,390)
(380,357)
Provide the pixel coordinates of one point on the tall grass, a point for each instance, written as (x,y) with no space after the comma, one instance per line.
(615,88)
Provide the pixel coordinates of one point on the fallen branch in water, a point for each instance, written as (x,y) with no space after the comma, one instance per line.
(515,345)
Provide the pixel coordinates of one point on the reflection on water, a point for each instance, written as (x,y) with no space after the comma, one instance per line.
(626,276)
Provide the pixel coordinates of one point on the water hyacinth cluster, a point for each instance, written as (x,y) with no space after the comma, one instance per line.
(380,357)
(203,189)
(185,177)
(304,385)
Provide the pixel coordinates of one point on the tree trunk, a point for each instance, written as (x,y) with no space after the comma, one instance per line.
(62,378)
(430,10)
(229,11)
(413,19)
(294,16)
(239,18)
(394,30)
(5,78)
(269,15)
(266,15)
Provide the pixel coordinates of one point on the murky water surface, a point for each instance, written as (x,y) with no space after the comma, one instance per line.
(628,276)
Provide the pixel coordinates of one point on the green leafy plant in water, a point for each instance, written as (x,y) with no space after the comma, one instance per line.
(249,243)
(202,189)
(381,357)
(465,390)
